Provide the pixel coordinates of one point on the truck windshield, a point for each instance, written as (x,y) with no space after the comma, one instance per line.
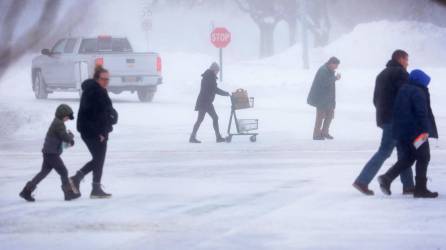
(103,45)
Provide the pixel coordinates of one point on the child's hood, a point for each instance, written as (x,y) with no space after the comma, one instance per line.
(63,111)
(419,77)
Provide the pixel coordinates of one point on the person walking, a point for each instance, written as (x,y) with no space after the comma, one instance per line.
(413,124)
(205,102)
(95,121)
(55,139)
(388,82)
(322,96)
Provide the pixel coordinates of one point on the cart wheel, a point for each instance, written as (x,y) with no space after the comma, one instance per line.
(229,139)
(253,138)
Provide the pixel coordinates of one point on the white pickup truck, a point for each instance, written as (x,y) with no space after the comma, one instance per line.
(72,60)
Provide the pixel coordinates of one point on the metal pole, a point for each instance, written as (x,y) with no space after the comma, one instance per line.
(221,64)
(303,15)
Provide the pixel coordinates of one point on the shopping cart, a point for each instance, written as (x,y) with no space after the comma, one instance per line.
(240,100)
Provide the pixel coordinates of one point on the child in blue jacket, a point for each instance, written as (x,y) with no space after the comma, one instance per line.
(413,124)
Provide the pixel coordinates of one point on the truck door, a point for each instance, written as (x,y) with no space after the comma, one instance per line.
(67,76)
(52,67)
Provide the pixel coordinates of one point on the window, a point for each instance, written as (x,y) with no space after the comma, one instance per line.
(104,45)
(59,47)
(69,47)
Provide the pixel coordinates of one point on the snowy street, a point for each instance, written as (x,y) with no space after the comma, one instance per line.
(283,192)
(315,70)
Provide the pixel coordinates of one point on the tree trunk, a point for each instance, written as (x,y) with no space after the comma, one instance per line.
(266,39)
(292,30)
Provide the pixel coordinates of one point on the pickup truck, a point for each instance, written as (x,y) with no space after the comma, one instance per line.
(72,60)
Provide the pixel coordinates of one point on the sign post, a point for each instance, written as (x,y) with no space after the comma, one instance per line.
(220,38)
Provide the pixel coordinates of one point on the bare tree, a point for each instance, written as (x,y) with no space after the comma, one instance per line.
(290,14)
(46,28)
(266,14)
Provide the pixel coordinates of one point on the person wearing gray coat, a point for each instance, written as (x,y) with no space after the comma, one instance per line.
(322,96)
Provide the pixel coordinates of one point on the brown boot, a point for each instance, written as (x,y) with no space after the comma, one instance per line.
(363,188)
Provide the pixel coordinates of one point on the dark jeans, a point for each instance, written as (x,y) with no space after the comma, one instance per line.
(213,115)
(50,162)
(408,156)
(384,152)
(98,151)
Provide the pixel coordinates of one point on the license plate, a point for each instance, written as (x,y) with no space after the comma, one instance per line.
(130,79)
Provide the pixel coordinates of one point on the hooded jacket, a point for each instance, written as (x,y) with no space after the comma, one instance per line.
(96,113)
(208,91)
(412,112)
(57,132)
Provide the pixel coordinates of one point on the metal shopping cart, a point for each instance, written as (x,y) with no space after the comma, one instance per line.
(241,100)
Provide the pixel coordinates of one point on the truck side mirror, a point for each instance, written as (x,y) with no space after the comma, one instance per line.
(46,52)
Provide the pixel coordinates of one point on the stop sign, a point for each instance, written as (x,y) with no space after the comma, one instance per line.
(220,37)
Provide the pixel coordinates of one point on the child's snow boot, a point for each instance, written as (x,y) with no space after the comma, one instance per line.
(75,182)
(27,191)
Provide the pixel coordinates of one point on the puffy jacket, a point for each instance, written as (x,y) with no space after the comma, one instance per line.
(412,112)
(57,132)
(96,113)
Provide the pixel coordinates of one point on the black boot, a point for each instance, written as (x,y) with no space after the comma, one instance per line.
(69,194)
(408,191)
(98,193)
(75,182)
(220,139)
(193,139)
(27,191)
(421,190)
(384,184)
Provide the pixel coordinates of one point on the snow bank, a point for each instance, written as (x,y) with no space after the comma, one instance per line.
(371,44)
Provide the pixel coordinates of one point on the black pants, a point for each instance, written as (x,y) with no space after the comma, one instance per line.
(200,118)
(50,162)
(407,157)
(98,151)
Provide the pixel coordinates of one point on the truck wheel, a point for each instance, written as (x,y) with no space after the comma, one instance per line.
(145,95)
(40,90)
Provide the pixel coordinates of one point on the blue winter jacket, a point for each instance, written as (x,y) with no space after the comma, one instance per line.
(412,114)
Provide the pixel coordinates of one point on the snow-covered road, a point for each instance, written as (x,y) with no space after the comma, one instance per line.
(283,192)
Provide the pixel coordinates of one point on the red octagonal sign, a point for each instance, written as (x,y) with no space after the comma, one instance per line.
(220,37)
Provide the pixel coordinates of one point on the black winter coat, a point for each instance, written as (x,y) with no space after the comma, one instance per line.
(323,90)
(413,114)
(208,91)
(96,113)
(388,82)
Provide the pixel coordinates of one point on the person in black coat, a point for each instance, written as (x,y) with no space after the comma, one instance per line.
(205,102)
(413,124)
(322,96)
(96,118)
